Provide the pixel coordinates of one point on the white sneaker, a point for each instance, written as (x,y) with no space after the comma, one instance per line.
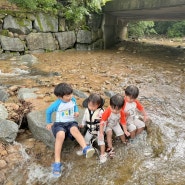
(103,158)
(90,152)
(79,152)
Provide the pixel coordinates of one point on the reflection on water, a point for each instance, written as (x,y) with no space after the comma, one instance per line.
(156,157)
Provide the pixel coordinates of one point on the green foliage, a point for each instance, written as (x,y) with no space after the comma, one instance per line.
(171,29)
(162,27)
(77,10)
(95,5)
(45,5)
(4,32)
(176,30)
(141,28)
(28,4)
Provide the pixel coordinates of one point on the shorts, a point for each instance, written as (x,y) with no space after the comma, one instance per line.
(117,129)
(135,124)
(64,126)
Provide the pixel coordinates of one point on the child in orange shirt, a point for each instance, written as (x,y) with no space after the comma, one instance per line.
(134,125)
(112,117)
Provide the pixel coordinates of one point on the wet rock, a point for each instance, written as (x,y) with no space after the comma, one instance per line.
(3,95)
(79,94)
(109,93)
(8,130)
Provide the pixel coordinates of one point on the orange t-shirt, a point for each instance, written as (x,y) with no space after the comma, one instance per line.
(108,112)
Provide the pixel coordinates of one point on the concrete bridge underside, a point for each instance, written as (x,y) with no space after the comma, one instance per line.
(117,13)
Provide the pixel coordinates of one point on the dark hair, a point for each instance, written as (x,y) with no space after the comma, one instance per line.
(63,89)
(95,99)
(117,101)
(132,91)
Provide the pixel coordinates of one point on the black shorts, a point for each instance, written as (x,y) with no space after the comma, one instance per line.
(64,126)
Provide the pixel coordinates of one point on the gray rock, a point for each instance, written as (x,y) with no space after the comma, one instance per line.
(37,41)
(3,112)
(8,130)
(109,93)
(66,39)
(11,44)
(3,95)
(17,25)
(84,37)
(80,94)
(37,125)
(46,23)
(25,93)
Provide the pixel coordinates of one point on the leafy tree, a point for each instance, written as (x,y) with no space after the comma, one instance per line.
(162,27)
(176,30)
(76,11)
(141,28)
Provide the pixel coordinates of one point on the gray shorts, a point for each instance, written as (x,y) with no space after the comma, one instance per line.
(116,128)
(135,124)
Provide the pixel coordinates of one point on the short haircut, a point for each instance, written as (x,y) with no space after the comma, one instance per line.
(95,99)
(132,91)
(117,101)
(63,89)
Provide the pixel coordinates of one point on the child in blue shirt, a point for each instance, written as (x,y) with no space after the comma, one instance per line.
(65,125)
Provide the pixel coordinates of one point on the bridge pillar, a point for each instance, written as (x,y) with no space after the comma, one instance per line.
(121,29)
(109,32)
(114,30)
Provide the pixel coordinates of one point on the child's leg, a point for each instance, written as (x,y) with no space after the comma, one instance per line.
(122,137)
(87,138)
(133,134)
(60,136)
(138,131)
(78,136)
(132,129)
(140,125)
(102,149)
(109,138)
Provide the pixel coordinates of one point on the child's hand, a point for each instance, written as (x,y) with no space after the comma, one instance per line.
(127,133)
(127,114)
(48,126)
(76,114)
(145,118)
(81,126)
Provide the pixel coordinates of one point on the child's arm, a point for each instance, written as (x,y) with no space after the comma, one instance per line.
(123,123)
(125,130)
(48,126)
(142,110)
(49,111)
(76,112)
(104,118)
(145,117)
(81,125)
(101,130)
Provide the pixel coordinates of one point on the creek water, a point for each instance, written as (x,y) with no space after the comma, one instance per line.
(156,157)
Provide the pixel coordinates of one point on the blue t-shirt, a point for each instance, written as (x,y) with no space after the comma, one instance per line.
(64,111)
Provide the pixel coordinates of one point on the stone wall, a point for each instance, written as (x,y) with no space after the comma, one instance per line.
(23,33)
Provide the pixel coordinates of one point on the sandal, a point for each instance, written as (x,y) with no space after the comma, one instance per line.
(110,152)
(57,169)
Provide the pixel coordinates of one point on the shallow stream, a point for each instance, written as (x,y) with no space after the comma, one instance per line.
(155,158)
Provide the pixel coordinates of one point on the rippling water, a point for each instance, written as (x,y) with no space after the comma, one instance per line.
(157,156)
